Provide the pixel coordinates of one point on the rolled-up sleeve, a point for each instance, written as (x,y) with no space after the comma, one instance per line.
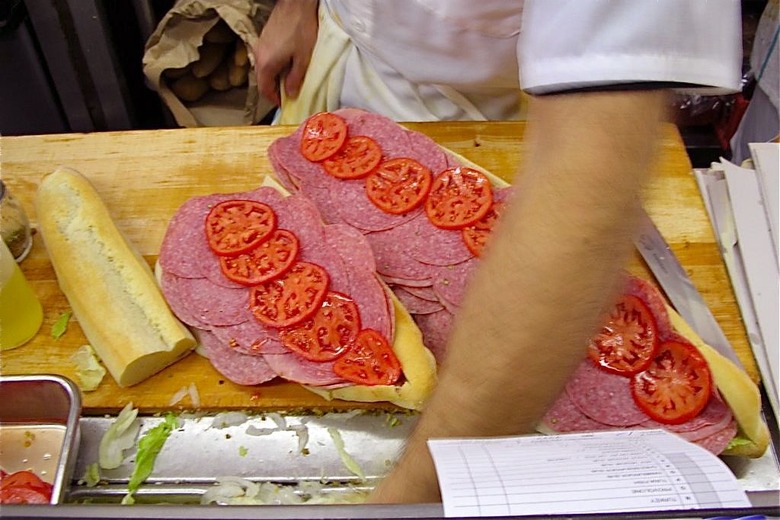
(573,44)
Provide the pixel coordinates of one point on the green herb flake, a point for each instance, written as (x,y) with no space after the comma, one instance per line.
(242,451)
(61,325)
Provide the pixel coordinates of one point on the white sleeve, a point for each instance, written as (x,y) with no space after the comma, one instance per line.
(569,44)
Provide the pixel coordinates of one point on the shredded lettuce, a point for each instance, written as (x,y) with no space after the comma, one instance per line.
(240,491)
(61,325)
(226,419)
(88,369)
(119,437)
(149,446)
(346,458)
(91,475)
(738,441)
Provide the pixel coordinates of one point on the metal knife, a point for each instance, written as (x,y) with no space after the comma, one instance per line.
(680,289)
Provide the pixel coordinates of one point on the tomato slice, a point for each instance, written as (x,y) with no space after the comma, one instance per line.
(25,478)
(399,185)
(476,236)
(676,386)
(23,495)
(369,361)
(269,260)
(459,197)
(236,226)
(291,298)
(327,334)
(323,135)
(24,487)
(359,157)
(628,341)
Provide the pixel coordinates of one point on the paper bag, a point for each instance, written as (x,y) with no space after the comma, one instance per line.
(200,61)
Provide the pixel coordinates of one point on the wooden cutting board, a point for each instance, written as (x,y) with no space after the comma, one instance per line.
(144,176)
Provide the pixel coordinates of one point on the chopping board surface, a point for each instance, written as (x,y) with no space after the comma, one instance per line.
(144,176)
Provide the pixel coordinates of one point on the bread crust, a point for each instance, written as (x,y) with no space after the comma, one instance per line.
(109,285)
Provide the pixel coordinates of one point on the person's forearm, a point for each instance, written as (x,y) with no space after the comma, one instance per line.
(549,273)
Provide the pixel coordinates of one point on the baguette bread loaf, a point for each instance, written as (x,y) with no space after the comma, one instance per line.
(110,287)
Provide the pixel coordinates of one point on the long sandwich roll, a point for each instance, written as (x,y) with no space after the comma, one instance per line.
(109,285)
(273,293)
(428,214)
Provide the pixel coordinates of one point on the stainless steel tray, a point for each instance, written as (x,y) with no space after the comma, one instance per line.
(39,428)
(268,449)
(294,450)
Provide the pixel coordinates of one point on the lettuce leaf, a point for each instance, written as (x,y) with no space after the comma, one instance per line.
(149,446)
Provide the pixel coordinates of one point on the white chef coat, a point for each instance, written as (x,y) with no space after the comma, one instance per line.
(469,59)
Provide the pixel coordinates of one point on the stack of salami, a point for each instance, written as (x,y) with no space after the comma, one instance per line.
(599,399)
(242,348)
(426,266)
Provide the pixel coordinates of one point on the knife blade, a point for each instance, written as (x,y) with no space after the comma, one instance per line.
(680,289)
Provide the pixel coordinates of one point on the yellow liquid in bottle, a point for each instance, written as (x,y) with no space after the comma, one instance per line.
(21,313)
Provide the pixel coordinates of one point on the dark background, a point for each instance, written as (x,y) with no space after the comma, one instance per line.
(76,66)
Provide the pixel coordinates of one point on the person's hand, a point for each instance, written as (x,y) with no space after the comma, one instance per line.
(284,47)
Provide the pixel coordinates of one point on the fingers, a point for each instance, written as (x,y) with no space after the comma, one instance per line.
(284,47)
(267,73)
(294,77)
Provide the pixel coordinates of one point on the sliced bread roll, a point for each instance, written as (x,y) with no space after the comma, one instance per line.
(108,284)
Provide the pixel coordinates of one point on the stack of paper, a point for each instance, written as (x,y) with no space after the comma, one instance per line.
(742,202)
(600,472)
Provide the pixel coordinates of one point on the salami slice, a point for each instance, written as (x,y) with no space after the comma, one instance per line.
(392,261)
(286,157)
(603,397)
(299,370)
(564,416)
(450,283)
(184,245)
(213,304)
(425,293)
(326,204)
(239,368)
(414,304)
(279,157)
(393,139)
(357,210)
(176,299)
(435,328)
(300,214)
(434,246)
(425,150)
(250,338)
(719,441)
(364,287)
(652,297)
(264,194)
